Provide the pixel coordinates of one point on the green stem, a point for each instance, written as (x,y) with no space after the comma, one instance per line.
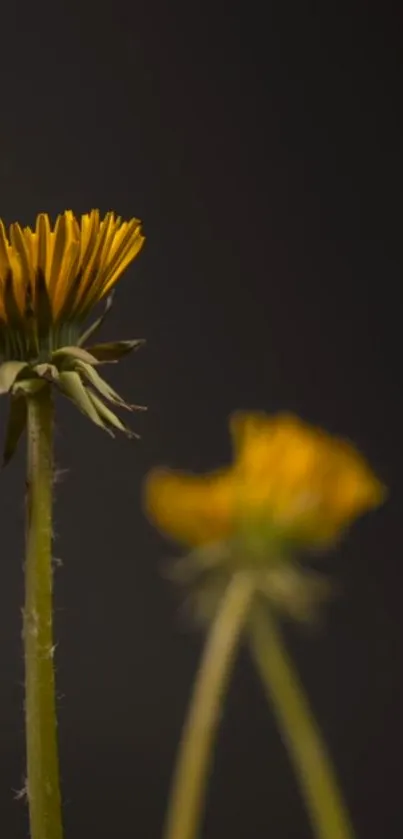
(196,748)
(300,733)
(43,788)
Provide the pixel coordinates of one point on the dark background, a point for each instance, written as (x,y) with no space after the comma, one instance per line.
(261,148)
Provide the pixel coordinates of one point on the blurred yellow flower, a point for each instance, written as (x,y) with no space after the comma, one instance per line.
(295,481)
(50,279)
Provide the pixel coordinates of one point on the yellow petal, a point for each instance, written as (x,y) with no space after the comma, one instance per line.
(306,481)
(44,248)
(63,238)
(190,509)
(92,277)
(23,277)
(5,266)
(4,250)
(120,258)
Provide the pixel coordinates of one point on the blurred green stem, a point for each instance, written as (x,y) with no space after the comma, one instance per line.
(299,731)
(197,742)
(43,788)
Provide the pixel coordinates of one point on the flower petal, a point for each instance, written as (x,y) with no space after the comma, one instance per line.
(307,482)
(192,510)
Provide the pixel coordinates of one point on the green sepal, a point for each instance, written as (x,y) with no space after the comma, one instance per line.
(109,417)
(296,592)
(98,322)
(28,387)
(46,371)
(101,385)
(9,372)
(17,420)
(71,385)
(69,355)
(114,350)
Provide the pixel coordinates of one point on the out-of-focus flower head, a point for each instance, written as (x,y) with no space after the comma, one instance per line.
(50,281)
(291,487)
(304,484)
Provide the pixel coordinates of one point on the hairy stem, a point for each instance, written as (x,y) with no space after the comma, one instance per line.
(299,731)
(197,743)
(43,787)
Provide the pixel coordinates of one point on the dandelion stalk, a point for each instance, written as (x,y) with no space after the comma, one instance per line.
(51,279)
(196,748)
(43,787)
(300,733)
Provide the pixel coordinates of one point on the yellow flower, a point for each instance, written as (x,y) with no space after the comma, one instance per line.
(50,280)
(288,479)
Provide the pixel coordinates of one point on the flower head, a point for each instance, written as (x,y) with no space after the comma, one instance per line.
(290,487)
(51,278)
(304,484)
